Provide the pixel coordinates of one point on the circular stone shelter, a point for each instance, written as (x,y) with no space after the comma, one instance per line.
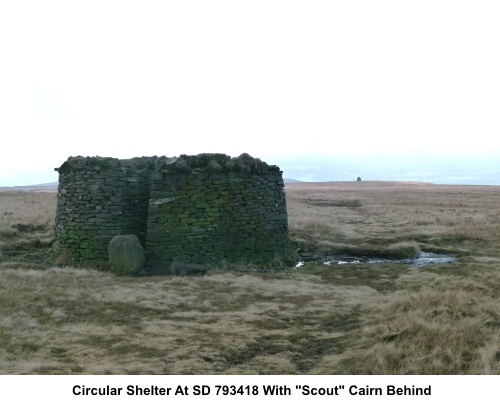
(195,210)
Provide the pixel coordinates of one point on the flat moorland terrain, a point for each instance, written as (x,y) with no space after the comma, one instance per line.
(355,318)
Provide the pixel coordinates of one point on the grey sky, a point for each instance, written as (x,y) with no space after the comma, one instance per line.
(275,79)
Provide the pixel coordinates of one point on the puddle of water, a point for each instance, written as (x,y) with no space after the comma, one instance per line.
(425,259)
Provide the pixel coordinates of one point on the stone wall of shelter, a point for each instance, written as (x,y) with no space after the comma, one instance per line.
(207,208)
(99,198)
(195,210)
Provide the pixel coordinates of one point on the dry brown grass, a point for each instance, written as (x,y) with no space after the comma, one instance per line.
(26,227)
(345,319)
(436,217)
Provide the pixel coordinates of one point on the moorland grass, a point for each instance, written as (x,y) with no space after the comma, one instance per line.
(316,319)
(26,228)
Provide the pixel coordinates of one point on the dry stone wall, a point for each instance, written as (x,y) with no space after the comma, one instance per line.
(208,208)
(99,198)
(195,210)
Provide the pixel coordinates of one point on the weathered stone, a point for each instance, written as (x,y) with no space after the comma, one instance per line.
(160,162)
(182,268)
(126,255)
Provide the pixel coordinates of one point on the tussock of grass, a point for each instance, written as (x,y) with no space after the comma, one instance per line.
(403,250)
(8,233)
(349,203)
(400,250)
(26,226)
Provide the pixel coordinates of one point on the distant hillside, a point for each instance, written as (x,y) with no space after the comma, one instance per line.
(44,185)
(34,187)
(291,181)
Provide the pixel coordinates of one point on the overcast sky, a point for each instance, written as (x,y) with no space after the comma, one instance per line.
(271,78)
